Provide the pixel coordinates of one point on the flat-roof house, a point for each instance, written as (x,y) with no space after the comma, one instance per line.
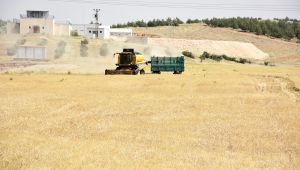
(38,22)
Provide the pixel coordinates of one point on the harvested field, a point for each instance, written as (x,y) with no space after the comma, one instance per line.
(214,116)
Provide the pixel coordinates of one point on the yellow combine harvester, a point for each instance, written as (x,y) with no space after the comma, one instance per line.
(129,62)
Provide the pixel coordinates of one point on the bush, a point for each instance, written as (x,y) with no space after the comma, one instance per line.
(188,54)
(84,48)
(266,63)
(104,50)
(74,33)
(60,50)
(84,42)
(218,58)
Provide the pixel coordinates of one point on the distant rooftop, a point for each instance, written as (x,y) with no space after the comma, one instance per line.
(37,14)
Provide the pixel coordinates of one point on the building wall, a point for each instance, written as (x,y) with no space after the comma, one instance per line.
(46,26)
(31,53)
(121,32)
(80,29)
(62,30)
(103,31)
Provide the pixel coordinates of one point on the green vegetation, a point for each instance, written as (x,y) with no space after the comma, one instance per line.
(188,54)
(84,48)
(60,50)
(191,21)
(218,58)
(152,23)
(278,28)
(74,33)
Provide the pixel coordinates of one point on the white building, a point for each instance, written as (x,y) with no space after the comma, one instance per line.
(89,30)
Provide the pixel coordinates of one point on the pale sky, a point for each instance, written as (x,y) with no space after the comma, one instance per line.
(120,11)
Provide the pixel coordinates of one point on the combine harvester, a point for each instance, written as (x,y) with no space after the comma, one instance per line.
(132,63)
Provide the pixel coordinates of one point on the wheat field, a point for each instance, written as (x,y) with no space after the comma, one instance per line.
(214,116)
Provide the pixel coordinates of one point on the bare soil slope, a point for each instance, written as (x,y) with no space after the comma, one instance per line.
(229,48)
(278,50)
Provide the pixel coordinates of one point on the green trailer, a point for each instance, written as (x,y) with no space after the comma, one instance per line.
(167,64)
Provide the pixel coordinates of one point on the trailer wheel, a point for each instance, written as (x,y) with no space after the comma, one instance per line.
(142,72)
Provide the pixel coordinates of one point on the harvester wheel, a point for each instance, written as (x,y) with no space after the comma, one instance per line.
(142,72)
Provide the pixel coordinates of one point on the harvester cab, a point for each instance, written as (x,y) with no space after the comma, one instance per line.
(129,62)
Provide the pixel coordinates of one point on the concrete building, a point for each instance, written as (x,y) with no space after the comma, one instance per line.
(104,32)
(89,30)
(38,22)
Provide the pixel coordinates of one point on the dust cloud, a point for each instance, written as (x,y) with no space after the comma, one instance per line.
(99,54)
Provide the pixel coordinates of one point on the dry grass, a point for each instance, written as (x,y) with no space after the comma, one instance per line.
(214,116)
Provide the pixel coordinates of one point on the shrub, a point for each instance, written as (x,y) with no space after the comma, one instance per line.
(188,54)
(60,50)
(83,51)
(266,63)
(74,33)
(84,48)
(84,42)
(218,58)
(104,50)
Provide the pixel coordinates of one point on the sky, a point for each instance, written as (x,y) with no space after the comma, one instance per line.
(120,11)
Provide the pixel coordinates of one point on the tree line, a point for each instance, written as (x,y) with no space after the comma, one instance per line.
(151,23)
(278,28)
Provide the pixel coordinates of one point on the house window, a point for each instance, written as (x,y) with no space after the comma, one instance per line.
(100,32)
(90,31)
(29,27)
(43,27)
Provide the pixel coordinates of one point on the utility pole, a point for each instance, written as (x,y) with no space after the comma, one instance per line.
(96,16)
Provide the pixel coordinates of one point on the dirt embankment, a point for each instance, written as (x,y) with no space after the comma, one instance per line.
(230,48)
(279,50)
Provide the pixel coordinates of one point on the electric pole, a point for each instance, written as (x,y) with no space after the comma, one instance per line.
(96,16)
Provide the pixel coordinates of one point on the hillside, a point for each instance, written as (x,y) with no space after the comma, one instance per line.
(279,50)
